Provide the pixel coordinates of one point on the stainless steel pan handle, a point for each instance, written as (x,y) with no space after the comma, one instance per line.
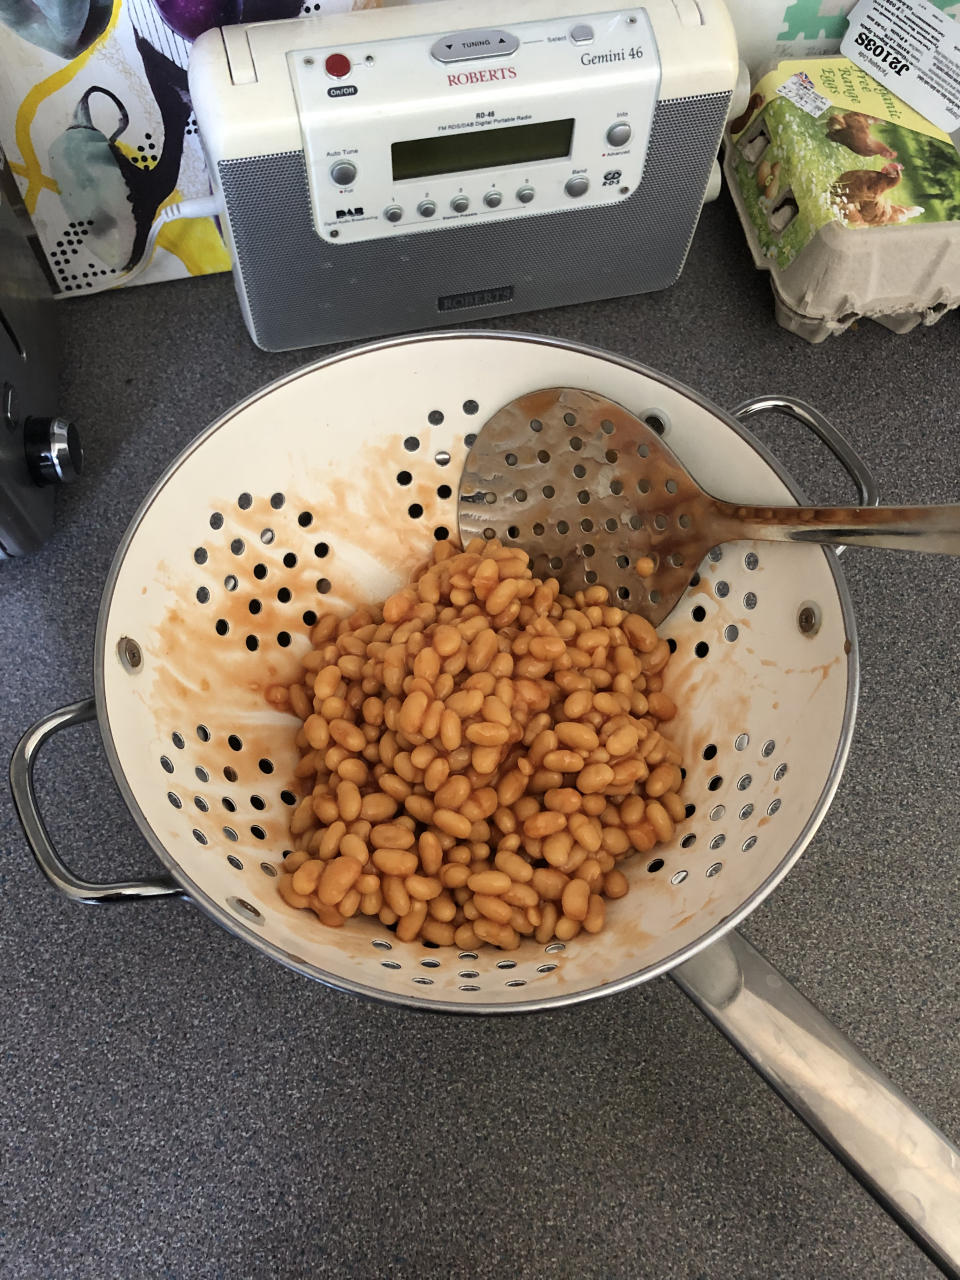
(28,811)
(903,1160)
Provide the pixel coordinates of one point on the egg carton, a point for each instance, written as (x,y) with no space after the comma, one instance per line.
(902,269)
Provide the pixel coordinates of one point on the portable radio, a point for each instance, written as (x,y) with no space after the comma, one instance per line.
(391,169)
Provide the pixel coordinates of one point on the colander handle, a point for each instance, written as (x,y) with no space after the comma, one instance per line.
(904,1161)
(28,811)
(835,440)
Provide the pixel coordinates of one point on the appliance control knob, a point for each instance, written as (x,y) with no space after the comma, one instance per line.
(53,450)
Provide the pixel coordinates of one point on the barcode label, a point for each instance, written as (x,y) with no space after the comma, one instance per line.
(913,49)
(800,90)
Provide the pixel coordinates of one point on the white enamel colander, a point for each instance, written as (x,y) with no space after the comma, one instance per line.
(324,491)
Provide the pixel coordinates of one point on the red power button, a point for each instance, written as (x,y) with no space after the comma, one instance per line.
(337,65)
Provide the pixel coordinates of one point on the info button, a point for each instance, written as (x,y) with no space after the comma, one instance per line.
(465,46)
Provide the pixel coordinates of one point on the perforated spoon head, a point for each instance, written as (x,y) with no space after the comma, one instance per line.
(588,490)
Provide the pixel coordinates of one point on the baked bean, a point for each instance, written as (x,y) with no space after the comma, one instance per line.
(338,877)
(423,888)
(395,862)
(513,866)
(306,876)
(563,761)
(665,777)
(563,799)
(589,871)
(294,860)
(580,737)
(492,907)
(593,921)
(622,741)
(549,883)
(409,925)
(354,847)
(567,929)
(489,882)
(485,759)
(392,835)
(660,820)
(548,923)
(575,899)
(439,932)
(585,831)
(544,823)
(431,853)
(674,806)
(454,875)
(522,895)
(594,778)
(485,734)
(377,807)
(503,936)
(455,824)
(615,884)
(371,903)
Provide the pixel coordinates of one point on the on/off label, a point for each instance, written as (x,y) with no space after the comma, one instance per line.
(913,49)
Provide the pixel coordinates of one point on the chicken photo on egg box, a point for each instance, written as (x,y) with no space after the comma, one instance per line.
(822,142)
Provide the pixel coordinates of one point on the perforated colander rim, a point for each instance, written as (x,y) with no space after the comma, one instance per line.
(240,930)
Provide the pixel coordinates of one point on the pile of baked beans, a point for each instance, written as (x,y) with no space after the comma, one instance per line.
(478,755)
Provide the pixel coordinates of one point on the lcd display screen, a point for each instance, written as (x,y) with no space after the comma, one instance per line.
(481,149)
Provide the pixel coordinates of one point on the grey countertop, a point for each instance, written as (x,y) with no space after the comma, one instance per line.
(177,1105)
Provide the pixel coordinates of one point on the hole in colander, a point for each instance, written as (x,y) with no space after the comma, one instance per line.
(323,585)
(290,560)
(411,444)
(404,477)
(779,772)
(717,841)
(216,520)
(715,554)
(177,740)
(468,986)
(201,804)
(174,799)
(309,618)
(252,643)
(258,832)
(423,982)
(258,802)
(698,613)
(288,797)
(415,511)
(678,877)
(235,743)
(444,491)
(277,500)
(722,589)
(470,439)
(744,782)
(688,840)
(741,741)
(390,964)
(305,519)
(731,632)
(166,764)
(222,626)
(435,417)
(750,600)
(546,968)
(655,865)
(199,836)
(709,751)
(749,843)
(229,773)
(616,487)
(245,502)
(715,868)
(441,533)
(267,536)
(553,947)
(689,810)
(234,861)
(751,560)
(246,909)
(774,807)
(321,550)
(467,955)
(715,783)
(746,812)
(201,773)
(468,973)
(470,406)
(200,555)
(381,944)
(283,639)
(238,546)
(284,595)
(268,868)
(203,595)
(430,964)
(507,964)
(717,812)
(516,982)
(701,648)
(260,571)
(228,804)
(768,748)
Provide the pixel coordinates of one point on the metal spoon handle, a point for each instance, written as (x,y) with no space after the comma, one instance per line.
(934,529)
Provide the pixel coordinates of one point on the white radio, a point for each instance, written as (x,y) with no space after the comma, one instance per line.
(390,169)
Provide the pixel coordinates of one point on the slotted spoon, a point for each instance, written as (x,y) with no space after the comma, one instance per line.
(588,488)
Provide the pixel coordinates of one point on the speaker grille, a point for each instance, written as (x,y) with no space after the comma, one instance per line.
(302,291)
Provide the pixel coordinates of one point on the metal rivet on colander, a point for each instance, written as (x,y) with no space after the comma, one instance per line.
(130,654)
(808,619)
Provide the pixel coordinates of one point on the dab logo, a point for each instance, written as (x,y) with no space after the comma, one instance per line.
(351,213)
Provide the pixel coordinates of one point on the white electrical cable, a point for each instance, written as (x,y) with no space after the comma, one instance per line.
(201,207)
